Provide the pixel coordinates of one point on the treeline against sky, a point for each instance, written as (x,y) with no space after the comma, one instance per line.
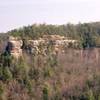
(88,33)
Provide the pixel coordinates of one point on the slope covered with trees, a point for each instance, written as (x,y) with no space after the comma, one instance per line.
(72,75)
(88,33)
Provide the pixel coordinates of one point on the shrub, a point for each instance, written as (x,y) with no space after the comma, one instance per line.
(34,74)
(91,95)
(7,75)
(45,92)
(47,71)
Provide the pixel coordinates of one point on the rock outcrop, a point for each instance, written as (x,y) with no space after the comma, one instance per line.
(15,45)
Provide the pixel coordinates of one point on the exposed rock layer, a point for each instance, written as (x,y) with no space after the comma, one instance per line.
(15,45)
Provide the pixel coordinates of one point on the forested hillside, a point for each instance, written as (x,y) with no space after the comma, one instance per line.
(70,75)
(87,33)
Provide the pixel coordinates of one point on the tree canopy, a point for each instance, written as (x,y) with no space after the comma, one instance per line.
(88,33)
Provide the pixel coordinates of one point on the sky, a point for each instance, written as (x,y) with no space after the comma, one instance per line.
(18,13)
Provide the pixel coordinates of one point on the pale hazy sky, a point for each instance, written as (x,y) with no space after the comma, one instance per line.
(16,13)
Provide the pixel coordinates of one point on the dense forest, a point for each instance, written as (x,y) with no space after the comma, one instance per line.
(72,75)
(88,33)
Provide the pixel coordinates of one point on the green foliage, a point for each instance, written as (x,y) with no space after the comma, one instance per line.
(7,75)
(87,33)
(6,59)
(27,84)
(21,69)
(47,72)
(1,72)
(34,73)
(62,72)
(45,92)
(91,95)
(1,89)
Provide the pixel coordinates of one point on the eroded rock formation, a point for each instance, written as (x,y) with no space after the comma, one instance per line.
(15,45)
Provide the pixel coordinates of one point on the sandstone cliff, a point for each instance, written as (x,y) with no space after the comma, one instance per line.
(15,46)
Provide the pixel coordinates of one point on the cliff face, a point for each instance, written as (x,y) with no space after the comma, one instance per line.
(15,45)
